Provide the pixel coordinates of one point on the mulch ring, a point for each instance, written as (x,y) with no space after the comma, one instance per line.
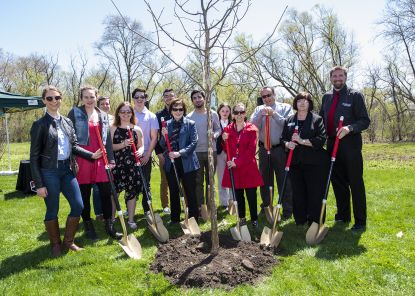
(186,261)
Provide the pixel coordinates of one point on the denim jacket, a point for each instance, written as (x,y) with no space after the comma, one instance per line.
(187,145)
(80,121)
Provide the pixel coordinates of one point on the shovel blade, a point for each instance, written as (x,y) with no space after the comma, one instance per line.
(131,246)
(190,227)
(266,236)
(159,231)
(236,235)
(231,207)
(276,239)
(315,234)
(245,235)
(204,212)
(269,214)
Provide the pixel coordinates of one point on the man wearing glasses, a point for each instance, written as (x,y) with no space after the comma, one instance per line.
(147,121)
(277,113)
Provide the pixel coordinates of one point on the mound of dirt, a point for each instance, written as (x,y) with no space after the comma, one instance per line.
(186,261)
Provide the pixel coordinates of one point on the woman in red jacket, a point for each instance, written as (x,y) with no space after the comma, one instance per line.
(242,137)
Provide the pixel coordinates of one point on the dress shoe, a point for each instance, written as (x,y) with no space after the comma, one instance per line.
(358,227)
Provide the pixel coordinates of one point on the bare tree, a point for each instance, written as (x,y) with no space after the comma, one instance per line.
(75,78)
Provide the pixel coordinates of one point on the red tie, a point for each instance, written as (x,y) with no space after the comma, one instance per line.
(330,117)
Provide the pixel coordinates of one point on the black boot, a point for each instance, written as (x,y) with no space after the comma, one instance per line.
(90,230)
(110,230)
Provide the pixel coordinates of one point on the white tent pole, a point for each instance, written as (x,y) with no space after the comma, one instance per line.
(8,142)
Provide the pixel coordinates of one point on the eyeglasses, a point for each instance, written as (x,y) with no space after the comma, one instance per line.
(177,109)
(238,112)
(266,96)
(139,97)
(50,99)
(125,112)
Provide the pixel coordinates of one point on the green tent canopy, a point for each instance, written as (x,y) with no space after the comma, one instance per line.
(10,103)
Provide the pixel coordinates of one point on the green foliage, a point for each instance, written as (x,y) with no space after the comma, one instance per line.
(378,261)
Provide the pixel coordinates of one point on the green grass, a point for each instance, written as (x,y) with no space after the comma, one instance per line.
(374,262)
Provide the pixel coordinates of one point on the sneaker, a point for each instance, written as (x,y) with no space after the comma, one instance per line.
(132,225)
(255,224)
(166,210)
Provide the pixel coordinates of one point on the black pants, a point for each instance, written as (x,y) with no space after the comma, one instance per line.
(189,185)
(278,159)
(251,197)
(309,182)
(347,178)
(105,196)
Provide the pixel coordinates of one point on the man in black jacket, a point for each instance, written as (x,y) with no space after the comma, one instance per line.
(347,175)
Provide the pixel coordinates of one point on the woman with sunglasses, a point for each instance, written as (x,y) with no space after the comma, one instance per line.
(309,166)
(182,134)
(84,119)
(126,175)
(224,112)
(53,143)
(242,139)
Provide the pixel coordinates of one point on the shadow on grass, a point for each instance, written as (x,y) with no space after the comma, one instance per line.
(16,194)
(18,263)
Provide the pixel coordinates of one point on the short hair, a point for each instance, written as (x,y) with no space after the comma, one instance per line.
(335,68)
(270,87)
(223,105)
(303,95)
(195,91)
(167,90)
(178,101)
(48,88)
(102,98)
(88,87)
(136,90)
(242,106)
(117,119)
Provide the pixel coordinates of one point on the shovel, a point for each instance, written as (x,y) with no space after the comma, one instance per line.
(316,233)
(272,237)
(239,232)
(189,225)
(155,224)
(204,211)
(269,210)
(129,243)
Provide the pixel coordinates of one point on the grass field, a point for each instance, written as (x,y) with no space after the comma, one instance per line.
(378,261)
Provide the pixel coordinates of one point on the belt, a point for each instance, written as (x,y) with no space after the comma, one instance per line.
(261,144)
(64,162)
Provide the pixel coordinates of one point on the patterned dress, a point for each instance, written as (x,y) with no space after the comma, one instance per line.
(126,174)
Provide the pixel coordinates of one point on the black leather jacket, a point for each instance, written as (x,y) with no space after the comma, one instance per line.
(44,145)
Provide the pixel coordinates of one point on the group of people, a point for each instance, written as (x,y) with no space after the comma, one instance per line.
(66,156)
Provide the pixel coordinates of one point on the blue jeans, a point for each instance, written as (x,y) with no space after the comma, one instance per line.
(57,180)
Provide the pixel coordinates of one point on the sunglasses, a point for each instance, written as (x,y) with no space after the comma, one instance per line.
(266,96)
(177,109)
(125,112)
(139,97)
(238,112)
(50,99)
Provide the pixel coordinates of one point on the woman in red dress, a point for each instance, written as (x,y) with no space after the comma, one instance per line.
(242,138)
(93,172)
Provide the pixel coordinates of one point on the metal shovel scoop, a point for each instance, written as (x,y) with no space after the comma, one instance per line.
(204,211)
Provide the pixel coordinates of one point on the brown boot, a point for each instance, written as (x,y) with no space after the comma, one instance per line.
(68,239)
(52,227)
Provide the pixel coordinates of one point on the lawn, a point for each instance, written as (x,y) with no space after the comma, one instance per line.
(378,261)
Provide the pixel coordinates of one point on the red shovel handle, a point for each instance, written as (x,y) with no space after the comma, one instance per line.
(336,142)
(101,145)
(228,153)
(163,124)
(290,153)
(130,135)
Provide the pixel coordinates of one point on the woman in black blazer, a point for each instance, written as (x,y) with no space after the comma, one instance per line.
(309,166)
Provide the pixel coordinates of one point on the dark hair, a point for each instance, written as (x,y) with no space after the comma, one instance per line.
(195,91)
(117,119)
(303,95)
(167,90)
(88,87)
(48,88)
(335,68)
(223,105)
(136,90)
(239,105)
(178,101)
(101,98)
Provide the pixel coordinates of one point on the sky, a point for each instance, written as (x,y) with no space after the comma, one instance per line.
(66,27)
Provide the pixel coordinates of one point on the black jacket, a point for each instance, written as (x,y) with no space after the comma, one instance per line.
(44,145)
(312,130)
(351,105)
(167,116)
